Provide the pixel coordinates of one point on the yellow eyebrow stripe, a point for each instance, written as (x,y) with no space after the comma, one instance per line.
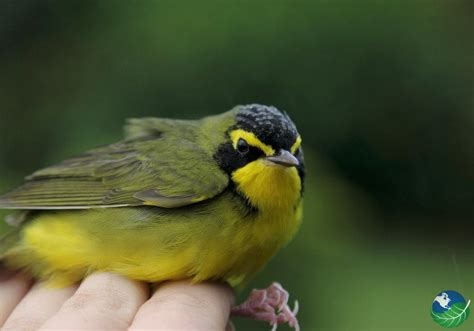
(296,145)
(251,139)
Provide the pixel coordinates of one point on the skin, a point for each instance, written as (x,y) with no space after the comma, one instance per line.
(110,301)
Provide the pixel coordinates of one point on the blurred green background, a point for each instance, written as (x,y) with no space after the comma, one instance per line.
(381,91)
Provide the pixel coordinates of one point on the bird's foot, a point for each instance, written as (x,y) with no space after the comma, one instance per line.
(269,305)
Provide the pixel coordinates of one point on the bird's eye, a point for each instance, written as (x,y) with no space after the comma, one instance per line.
(242,146)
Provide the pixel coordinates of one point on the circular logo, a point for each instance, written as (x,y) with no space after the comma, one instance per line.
(450,309)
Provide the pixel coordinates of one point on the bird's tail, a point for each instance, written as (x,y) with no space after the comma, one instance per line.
(9,231)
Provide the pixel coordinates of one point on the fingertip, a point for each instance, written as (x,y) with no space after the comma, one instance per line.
(14,286)
(102,301)
(38,305)
(205,292)
(181,305)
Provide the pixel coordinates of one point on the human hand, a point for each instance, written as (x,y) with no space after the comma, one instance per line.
(107,301)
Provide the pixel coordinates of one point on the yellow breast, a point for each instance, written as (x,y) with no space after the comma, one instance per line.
(276,192)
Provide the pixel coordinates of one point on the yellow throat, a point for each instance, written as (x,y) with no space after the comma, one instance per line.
(269,186)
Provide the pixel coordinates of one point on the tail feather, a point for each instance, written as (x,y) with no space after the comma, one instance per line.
(10,232)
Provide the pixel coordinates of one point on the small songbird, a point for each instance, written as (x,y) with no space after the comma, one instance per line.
(208,199)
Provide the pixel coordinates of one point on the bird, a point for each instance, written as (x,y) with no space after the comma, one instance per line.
(207,199)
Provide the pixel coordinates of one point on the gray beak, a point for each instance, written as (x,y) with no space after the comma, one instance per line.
(284,158)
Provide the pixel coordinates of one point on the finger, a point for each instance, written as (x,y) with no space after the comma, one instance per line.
(103,301)
(182,306)
(13,286)
(39,304)
(230,326)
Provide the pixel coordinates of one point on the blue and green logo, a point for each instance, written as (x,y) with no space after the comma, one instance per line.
(450,309)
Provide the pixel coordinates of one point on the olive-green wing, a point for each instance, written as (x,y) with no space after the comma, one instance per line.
(167,171)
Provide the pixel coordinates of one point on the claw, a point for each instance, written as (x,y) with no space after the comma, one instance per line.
(269,305)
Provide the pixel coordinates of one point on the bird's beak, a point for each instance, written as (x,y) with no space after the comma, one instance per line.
(284,158)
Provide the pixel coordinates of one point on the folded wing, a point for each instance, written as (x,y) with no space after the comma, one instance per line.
(166,170)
